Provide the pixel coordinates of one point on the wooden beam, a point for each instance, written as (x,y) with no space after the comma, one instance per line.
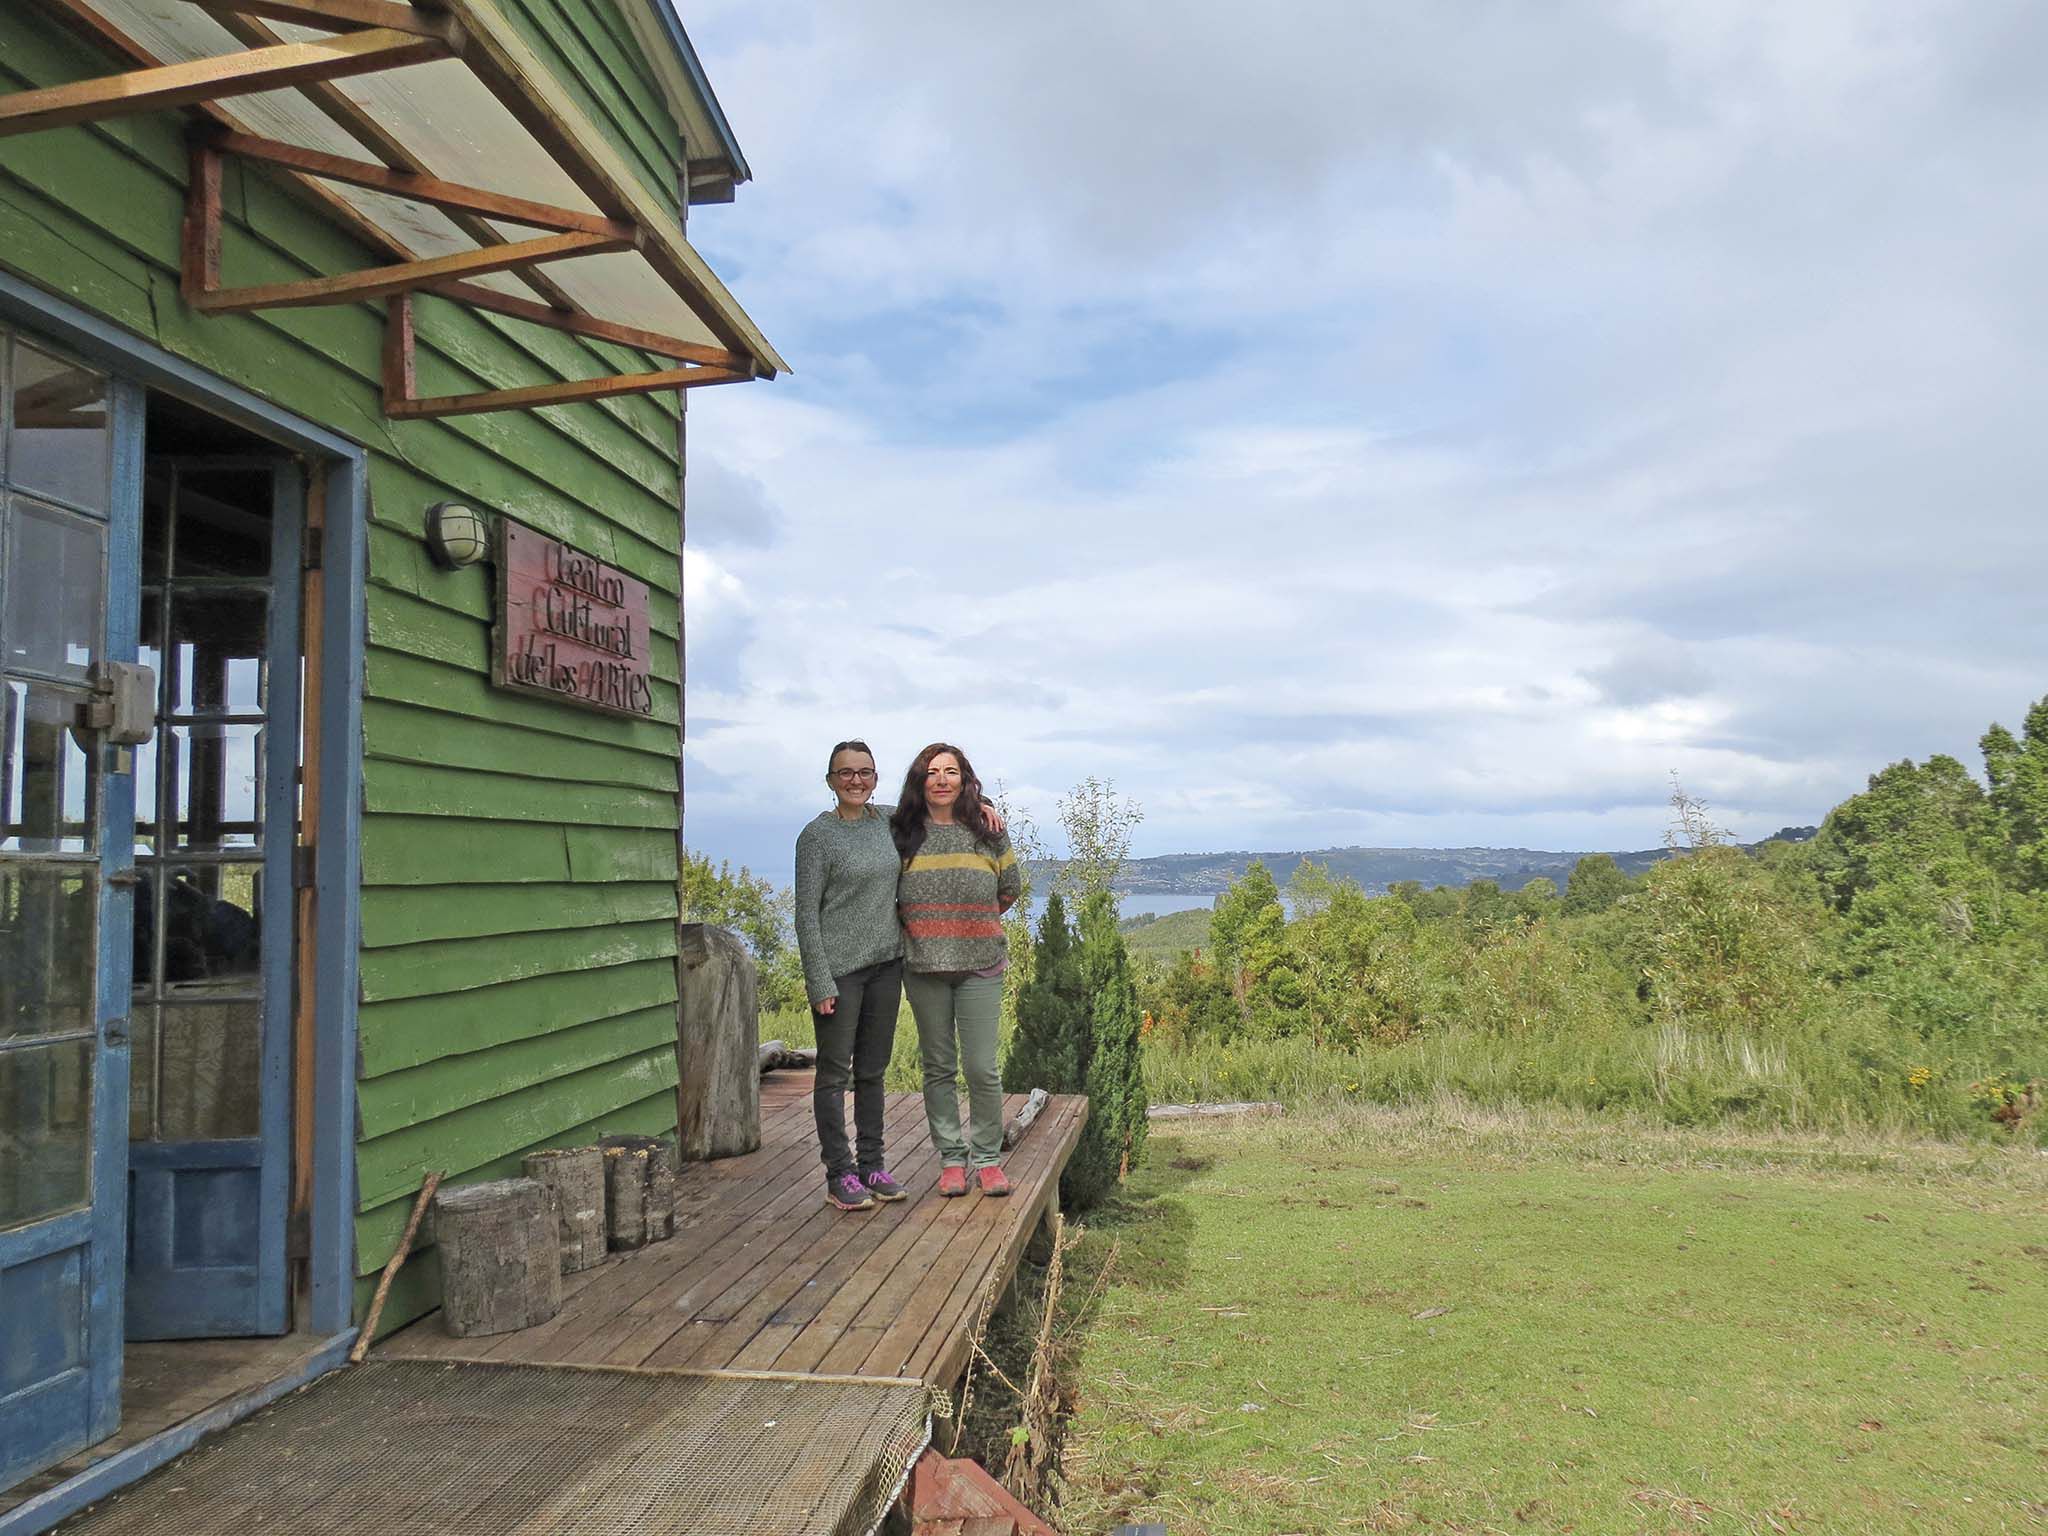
(337,15)
(493,55)
(479,297)
(421,188)
(398,351)
(382,282)
(355,121)
(569,392)
(94,28)
(203,80)
(199,245)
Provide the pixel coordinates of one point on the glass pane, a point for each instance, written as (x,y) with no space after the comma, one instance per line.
(61,440)
(48,795)
(211,941)
(216,786)
(217,641)
(45,1130)
(149,648)
(52,622)
(48,956)
(146,797)
(209,1077)
(223,523)
(142,1074)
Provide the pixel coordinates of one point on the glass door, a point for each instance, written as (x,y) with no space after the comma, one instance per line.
(65,906)
(215,821)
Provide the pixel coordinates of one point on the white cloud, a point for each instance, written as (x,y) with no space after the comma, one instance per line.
(1374,422)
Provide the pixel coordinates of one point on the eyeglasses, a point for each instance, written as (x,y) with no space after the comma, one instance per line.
(853,775)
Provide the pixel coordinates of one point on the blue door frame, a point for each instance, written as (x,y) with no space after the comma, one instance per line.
(336,869)
(61,1298)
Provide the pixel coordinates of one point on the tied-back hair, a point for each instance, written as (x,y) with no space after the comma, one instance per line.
(907,823)
(855,745)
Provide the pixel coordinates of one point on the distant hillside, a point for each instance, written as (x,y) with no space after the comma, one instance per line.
(1204,876)
(1166,936)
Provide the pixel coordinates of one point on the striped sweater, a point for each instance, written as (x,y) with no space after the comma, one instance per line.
(951,897)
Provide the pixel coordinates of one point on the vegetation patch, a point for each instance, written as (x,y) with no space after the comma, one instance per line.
(1449,1318)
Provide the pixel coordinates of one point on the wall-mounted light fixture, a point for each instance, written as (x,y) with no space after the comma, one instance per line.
(457,535)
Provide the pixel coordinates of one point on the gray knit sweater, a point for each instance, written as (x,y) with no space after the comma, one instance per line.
(845,898)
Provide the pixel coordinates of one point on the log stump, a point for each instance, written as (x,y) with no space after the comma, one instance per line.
(718,1033)
(640,1190)
(501,1264)
(575,1175)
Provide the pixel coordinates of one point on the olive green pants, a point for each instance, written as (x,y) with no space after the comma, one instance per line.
(957,1016)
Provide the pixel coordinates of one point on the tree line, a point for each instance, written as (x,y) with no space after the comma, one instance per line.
(1897,961)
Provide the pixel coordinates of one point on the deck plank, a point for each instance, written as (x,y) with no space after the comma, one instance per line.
(764,1275)
(955,1281)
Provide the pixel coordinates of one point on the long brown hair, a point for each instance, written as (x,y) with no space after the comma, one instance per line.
(907,822)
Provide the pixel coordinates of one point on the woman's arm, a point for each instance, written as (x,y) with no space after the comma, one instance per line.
(810,936)
(1009,878)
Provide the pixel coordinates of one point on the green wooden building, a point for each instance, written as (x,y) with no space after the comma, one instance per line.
(343,346)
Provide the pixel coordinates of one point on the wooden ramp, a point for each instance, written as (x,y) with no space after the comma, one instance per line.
(520,1450)
(763,1275)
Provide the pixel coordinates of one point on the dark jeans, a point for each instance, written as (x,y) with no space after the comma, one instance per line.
(854,1042)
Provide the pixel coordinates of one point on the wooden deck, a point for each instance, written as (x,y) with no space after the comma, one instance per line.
(763,1275)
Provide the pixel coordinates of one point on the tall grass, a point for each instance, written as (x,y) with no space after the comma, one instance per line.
(1670,1074)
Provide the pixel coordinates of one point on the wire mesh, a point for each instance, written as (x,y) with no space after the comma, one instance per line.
(522,1450)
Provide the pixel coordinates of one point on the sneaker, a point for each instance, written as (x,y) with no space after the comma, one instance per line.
(881,1185)
(952,1181)
(993,1180)
(846,1191)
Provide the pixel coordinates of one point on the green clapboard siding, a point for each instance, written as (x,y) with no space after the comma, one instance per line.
(391,1166)
(417,1288)
(421,914)
(457,965)
(423,1093)
(519,857)
(407,1031)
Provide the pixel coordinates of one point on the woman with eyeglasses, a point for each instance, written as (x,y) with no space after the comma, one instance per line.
(852,949)
(959,878)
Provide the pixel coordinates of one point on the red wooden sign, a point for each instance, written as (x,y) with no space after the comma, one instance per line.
(569,626)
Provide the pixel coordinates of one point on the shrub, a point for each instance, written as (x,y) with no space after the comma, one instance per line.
(1114,1072)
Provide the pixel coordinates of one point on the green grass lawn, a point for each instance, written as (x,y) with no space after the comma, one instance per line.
(1449,1320)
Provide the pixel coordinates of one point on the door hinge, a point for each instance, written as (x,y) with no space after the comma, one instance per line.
(305,863)
(298,1235)
(309,553)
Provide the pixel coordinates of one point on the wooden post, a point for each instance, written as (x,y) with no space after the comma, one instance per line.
(501,1265)
(718,1030)
(640,1189)
(575,1176)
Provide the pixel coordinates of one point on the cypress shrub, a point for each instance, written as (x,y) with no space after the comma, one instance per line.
(1050,1047)
(1077,1032)
(1113,1073)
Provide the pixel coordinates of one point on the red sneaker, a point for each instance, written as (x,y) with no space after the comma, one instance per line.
(952,1181)
(993,1181)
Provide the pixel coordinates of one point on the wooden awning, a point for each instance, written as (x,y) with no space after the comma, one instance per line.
(432,132)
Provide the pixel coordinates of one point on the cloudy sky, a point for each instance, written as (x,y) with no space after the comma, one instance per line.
(1373,423)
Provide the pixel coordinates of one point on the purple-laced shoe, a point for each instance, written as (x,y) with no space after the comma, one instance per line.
(881,1184)
(846,1191)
